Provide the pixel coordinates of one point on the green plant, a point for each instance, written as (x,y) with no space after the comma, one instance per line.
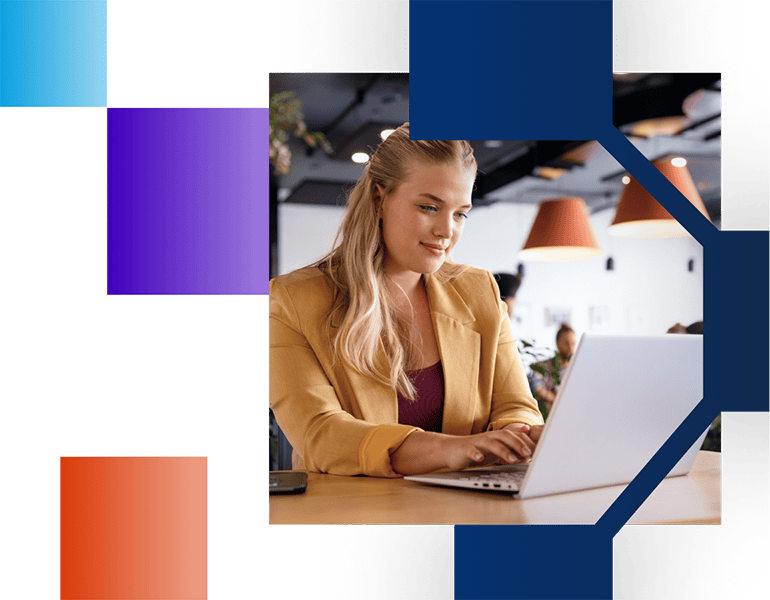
(533,358)
(713,439)
(538,355)
(286,120)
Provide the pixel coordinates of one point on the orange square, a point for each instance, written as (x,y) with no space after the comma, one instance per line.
(133,528)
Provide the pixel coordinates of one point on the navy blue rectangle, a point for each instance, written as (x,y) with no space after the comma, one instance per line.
(548,63)
(186,188)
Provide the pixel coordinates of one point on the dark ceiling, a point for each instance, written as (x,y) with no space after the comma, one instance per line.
(662,113)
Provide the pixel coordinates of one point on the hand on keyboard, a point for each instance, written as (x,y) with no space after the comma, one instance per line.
(509,445)
(533,431)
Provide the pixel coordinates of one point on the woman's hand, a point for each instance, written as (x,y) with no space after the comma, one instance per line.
(509,445)
(424,451)
(533,431)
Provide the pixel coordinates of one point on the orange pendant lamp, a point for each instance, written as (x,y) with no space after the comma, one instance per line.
(562,231)
(639,215)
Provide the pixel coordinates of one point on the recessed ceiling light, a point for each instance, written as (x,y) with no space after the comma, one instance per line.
(385,133)
(626,179)
(678,161)
(360,157)
(493,143)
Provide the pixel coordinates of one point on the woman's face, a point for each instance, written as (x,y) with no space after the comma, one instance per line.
(566,344)
(424,217)
(510,302)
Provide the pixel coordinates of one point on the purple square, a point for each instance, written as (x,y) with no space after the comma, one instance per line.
(187,201)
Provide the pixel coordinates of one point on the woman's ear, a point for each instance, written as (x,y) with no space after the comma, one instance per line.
(379,195)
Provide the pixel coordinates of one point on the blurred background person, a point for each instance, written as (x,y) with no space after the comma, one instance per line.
(547,375)
(509,285)
(696,328)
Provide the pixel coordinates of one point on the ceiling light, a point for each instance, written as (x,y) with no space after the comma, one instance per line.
(581,154)
(562,231)
(360,157)
(648,128)
(693,101)
(493,144)
(679,161)
(385,133)
(626,180)
(548,172)
(639,215)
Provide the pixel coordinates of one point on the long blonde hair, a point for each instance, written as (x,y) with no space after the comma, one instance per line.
(363,313)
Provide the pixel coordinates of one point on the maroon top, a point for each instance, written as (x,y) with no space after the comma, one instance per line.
(427,410)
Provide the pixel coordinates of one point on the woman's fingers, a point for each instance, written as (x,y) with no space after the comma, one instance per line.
(520,442)
(508,446)
(474,454)
(535,432)
(502,450)
(522,427)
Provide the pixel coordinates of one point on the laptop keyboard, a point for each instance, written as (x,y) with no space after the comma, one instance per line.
(493,480)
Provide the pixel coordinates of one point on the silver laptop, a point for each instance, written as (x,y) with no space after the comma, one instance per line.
(621,398)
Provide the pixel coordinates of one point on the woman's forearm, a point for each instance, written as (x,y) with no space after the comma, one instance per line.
(420,452)
(424,451)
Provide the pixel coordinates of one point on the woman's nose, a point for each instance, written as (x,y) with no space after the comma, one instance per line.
(442,228)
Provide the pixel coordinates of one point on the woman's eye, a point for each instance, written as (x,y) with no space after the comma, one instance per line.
(461,216)
(428,208)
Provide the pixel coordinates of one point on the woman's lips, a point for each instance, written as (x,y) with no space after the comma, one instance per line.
(435,249)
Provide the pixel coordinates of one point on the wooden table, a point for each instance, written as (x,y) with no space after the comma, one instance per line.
(333,499)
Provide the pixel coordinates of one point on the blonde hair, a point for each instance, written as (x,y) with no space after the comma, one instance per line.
(362,311)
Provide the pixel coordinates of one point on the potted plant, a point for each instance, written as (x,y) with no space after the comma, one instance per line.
(287,120)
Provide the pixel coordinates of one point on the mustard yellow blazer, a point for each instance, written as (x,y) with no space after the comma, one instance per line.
(339,421)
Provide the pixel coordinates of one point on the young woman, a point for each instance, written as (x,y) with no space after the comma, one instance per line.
(386,358)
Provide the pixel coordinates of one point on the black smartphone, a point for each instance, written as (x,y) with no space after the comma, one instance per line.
(288,482)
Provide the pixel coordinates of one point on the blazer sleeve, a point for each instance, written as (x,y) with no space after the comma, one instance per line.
(512,400)
(308,410)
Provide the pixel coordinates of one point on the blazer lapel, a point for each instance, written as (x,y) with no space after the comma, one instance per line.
(460,349)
